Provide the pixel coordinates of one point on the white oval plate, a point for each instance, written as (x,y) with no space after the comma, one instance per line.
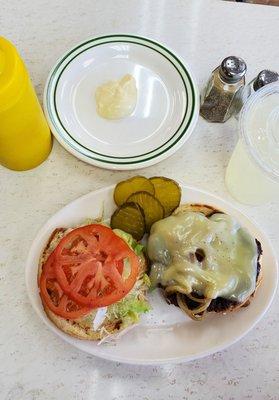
(165,335)
(165,115)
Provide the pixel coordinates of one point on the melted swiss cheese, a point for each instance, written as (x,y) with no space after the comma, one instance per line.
(229,266)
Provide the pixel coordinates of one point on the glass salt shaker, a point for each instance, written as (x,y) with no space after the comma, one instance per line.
(223,90)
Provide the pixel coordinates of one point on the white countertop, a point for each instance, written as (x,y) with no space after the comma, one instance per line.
(35,364)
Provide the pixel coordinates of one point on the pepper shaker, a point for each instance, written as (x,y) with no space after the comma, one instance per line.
(223,89)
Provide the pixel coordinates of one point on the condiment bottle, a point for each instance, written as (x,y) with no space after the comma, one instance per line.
(223,89)
(25,138)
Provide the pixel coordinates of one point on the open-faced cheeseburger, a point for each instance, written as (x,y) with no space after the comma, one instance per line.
(92,281)
(204,260)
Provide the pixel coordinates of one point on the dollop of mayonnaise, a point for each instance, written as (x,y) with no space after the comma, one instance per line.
(117,99)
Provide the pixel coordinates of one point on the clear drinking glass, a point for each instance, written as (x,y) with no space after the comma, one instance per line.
(252,175)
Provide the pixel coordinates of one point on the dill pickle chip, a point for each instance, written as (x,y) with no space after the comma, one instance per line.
(152,208)
(168,192)
(129,217)
(124,189)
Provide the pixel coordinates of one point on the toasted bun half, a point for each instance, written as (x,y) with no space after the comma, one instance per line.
(81,328)
(220,304)
(76,328)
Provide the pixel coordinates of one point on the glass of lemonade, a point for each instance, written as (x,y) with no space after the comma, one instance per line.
(252,175)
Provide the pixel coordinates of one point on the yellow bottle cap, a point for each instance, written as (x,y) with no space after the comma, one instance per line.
(13,75)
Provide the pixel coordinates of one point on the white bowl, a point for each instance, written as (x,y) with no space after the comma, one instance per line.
(165,115)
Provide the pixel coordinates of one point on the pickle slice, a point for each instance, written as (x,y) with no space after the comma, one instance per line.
(124,189)
(152,208)
(168,192)
(129,217)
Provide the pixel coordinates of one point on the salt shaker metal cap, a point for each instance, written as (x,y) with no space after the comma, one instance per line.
(232,69)
(264,78)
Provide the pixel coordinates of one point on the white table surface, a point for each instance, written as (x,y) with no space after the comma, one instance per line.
(34,363)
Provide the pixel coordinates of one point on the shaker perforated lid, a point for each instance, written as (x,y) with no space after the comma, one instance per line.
(232,69)
(264,78)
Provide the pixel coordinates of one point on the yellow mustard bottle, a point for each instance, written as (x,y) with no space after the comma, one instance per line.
(25,138)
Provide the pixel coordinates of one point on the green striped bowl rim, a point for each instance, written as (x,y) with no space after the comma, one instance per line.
(68,140)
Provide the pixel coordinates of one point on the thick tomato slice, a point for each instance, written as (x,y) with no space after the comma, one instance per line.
(89,266)
(54,297)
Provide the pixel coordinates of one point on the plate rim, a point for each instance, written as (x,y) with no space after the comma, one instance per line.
(132,162)
(170,360)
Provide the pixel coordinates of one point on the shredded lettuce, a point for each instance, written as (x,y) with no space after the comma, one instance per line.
(146,280)
(128,309)
(132,243)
